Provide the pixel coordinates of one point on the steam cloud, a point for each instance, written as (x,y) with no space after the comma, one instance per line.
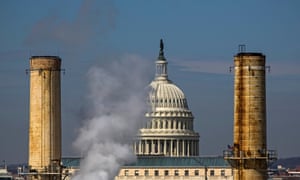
(116,112)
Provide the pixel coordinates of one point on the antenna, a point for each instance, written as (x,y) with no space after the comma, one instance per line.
(242,48)
(268,68)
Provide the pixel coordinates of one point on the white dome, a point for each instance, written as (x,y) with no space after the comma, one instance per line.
(165,94)
(170,129)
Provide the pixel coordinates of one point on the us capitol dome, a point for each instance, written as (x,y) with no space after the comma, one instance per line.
(169,130)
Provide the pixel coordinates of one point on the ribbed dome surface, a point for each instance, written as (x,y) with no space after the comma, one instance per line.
(163,93)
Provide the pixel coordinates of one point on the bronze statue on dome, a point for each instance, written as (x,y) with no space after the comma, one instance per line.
(161,45)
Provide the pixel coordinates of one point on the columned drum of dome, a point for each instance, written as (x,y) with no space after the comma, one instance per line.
(170,130)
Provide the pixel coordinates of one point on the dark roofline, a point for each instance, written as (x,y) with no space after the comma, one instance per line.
(249,54)
(48,57)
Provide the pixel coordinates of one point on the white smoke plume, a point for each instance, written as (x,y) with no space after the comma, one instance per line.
(116,112)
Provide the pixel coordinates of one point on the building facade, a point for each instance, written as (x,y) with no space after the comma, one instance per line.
(187,168)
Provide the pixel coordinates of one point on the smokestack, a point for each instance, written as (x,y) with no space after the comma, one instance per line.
(45,118)
(250,140)
(249,156)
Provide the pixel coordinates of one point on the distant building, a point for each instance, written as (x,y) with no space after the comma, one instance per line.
(5,175)
(71,166)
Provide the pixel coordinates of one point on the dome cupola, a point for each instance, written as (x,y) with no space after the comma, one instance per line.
(161,64)
(163,93)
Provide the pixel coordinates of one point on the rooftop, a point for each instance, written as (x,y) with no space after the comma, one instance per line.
(162,161)
(195,161)
(71,162)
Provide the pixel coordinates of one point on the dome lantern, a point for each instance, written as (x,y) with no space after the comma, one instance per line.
(161,64)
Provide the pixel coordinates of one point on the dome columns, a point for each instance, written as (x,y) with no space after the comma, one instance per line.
(166,124)
(168,147)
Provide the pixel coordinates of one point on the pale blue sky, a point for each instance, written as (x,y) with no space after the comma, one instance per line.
(201,38)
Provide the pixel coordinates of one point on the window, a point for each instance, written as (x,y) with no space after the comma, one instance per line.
(222,172)
(166,173)
(211,172)
(196,172)
(156,173)
(146,172)
(126,172)
(136,172)
(176,173)
(186,172)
